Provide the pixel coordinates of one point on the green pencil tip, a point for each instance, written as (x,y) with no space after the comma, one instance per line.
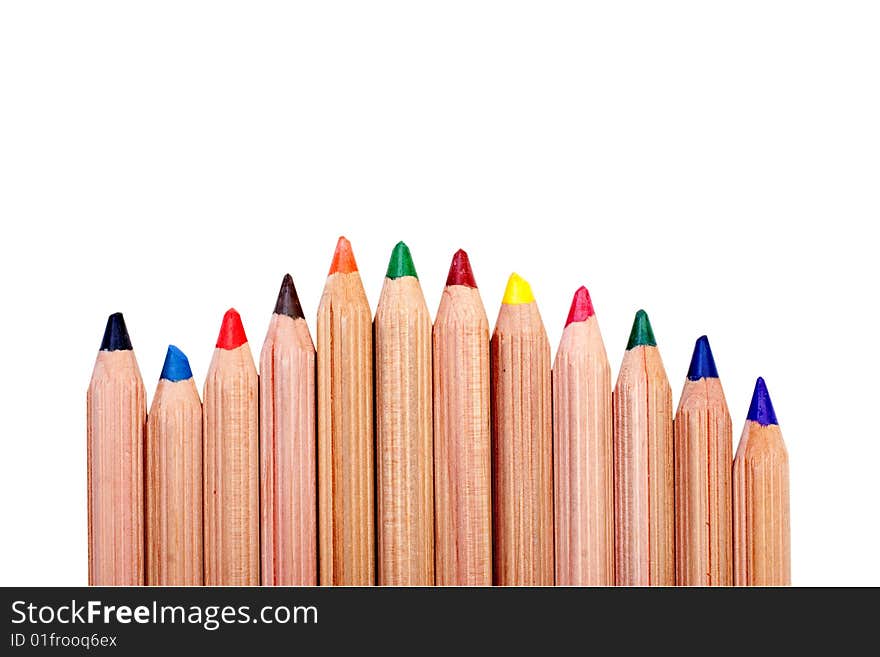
(401,263)
(642,334)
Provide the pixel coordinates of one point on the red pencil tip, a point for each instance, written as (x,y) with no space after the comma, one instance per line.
(460,272)
(581,306)
(343,258)
(231,331)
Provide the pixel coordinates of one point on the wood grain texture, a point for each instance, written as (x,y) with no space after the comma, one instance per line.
(644,543)
(174,486)
(762,530)
(703,504)
(522,448)
(462,440)
(116,414)
(582,452)
(404,429)
(231,461)
(288,486)
(346,527)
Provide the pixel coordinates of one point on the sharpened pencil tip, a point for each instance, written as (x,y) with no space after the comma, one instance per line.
(642,334)
(288,300)
(702,361)
(761,408)
(231,331)
(343,258)
(581,306)
(176,366)
(401,263)
(460,272)
(116,334)
(518,291)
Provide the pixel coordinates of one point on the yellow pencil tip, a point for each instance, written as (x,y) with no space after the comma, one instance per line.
(518,291)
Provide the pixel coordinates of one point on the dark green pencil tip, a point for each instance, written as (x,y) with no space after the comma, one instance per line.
(642,334)
(401,263)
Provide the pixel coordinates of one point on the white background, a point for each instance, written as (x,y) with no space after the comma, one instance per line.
(717,166)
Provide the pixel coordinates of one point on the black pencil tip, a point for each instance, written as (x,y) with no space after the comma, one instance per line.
(116,335)
(288,300)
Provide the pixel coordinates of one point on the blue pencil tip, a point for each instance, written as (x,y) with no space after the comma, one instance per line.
(116,335)
(176,367)
(761,408)
(702,362)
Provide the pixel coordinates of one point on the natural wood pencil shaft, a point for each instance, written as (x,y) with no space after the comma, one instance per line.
(582,452)
(288,491)
(644,544)
(462,440)
(703,504)
(762,532)
(405,453)
(174,486)
(346,533)
(116,411)
(522,448)
(231,463)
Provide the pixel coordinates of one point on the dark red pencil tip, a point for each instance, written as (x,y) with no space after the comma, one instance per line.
(231,331)
(581,306)
(343,258)
(460,272)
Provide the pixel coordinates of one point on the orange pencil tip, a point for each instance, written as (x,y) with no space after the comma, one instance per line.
(343,258)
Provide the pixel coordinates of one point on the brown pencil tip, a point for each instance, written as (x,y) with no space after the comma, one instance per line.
(288,300)
(343,258)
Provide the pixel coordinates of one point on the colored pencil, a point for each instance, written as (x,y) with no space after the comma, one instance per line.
(288,492)
(231,457)
(462,433)
(761,529)
(703,461)
(644,544)
(404,428)
(346,531)
(522,442)
(582,451)
(116,412)
(174,477)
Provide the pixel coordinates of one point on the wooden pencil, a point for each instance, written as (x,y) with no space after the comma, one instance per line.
(174,478)
(346,530)
(116,413)
(703,461)
(582,451)
(522,442)
(462,433)
(761,526)
(288,491)
(644,544)
(404,428)
(231,460)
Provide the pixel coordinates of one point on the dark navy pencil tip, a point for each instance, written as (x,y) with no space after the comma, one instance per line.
(116,335)
(702,362)
(176,367)
(761,408)
(288,300)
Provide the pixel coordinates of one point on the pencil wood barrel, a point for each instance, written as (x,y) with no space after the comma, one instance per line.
(116,414)
(346,527)
(762,525)
(703,463)
(644,494)
(174,478)
(231,461)
(288,461)
(462,433)
(522,443)
(404,428)
(582,452)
